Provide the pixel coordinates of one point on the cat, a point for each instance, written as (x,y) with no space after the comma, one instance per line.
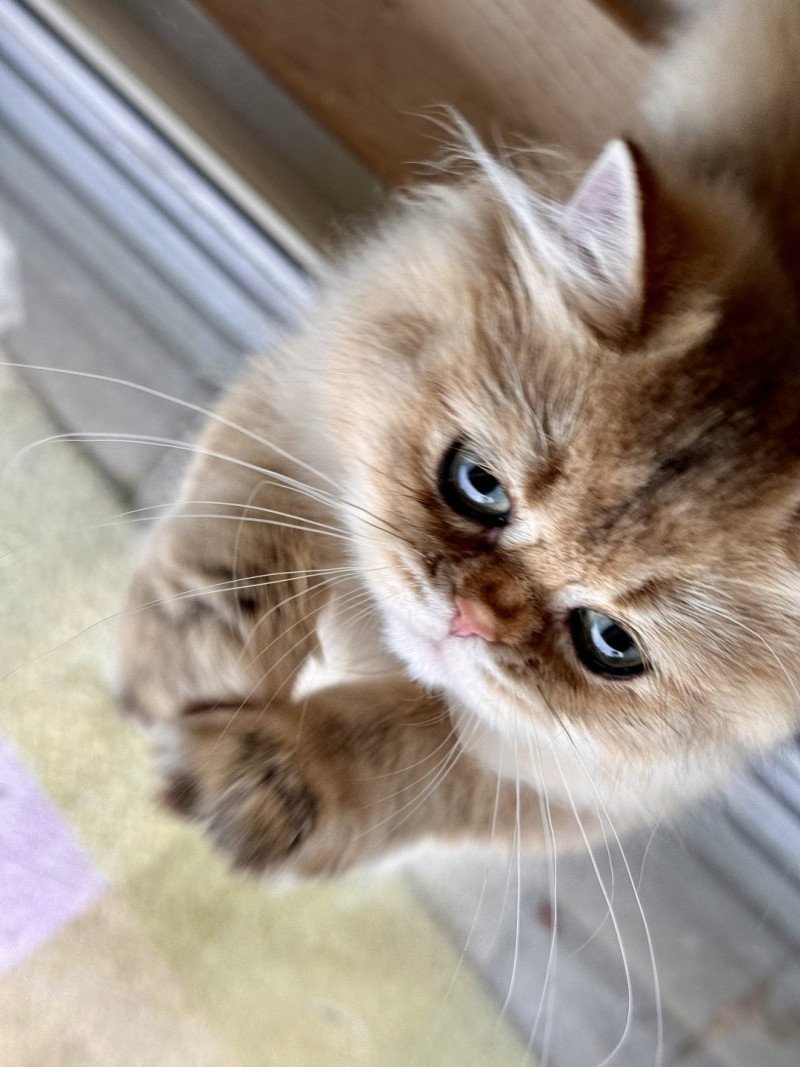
(504,543)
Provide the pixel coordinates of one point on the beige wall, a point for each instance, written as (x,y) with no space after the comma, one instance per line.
(562,71)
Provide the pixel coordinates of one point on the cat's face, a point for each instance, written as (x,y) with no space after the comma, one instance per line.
(593,518)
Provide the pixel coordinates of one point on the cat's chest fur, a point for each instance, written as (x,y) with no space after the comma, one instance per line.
(350,647)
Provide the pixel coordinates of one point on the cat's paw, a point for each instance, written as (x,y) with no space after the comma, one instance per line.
(249,785)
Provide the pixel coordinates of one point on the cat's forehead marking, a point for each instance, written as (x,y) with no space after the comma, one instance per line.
(664,475)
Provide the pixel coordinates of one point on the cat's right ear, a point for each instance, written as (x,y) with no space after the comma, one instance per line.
(603,242)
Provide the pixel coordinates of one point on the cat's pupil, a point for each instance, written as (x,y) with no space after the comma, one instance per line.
(616,639)
(484,482)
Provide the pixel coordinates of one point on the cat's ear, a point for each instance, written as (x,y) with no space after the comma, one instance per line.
(603,239)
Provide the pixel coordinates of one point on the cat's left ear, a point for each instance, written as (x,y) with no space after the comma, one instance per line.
(603,238)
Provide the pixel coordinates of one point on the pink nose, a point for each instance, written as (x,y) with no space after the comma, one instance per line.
(472,620)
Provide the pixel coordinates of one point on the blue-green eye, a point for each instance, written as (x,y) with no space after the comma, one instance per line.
(472,490)
(603,645)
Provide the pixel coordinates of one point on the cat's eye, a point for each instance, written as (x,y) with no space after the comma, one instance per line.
(470,489)
(603,645)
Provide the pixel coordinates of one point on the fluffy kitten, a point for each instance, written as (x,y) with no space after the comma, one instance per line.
(525,490)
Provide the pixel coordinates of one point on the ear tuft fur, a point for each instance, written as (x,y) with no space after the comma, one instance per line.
(604,241)
(594,244)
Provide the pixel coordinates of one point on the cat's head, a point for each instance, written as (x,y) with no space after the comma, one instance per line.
(580,425)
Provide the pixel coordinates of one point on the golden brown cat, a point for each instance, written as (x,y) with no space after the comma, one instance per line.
(504,542)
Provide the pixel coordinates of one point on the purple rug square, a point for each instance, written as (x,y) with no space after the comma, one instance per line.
(46,876)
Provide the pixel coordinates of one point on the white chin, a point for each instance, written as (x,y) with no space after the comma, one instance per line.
(447,663)
(421,655)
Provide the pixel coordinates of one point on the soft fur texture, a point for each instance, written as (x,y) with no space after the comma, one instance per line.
(626,361)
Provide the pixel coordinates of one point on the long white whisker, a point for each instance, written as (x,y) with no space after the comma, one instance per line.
(552,864)
(353,599)
(614,922)
(282,480)
(720,613)
(408,766)
(199,409)
(448,763)
(291,678)
(182,517)
(351,618)
(187,404)
(282,604)
(311,632)
(156,508)
(517,842)
(479,906)
(417,781)
(236,585)
(637,898)
(186,594)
